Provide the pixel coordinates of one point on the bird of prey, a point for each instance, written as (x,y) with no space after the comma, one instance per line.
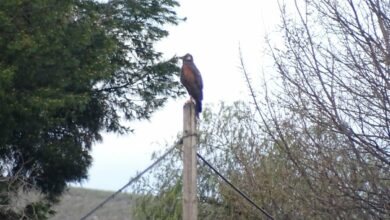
(192,81)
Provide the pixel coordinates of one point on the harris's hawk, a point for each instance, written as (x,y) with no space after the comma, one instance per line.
(192,81)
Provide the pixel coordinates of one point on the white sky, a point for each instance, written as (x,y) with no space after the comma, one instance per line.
(212,34)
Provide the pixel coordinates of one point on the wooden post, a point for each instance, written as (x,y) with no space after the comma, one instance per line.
(190,203)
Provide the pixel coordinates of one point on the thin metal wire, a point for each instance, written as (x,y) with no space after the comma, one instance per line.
(234,187)
(131,181)
(159,160)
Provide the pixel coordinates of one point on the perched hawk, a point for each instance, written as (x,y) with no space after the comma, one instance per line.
(192,80)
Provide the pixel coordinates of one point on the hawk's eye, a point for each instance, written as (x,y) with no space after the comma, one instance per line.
(189,58)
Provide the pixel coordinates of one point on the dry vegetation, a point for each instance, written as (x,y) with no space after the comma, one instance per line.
(76,202)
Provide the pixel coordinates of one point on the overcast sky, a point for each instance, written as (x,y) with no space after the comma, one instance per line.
(212,33)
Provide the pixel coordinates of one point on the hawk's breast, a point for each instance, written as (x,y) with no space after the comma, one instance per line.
(188,75)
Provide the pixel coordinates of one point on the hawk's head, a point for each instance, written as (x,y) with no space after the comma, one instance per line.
(187,57)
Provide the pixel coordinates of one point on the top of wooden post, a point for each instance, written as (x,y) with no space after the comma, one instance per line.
(189,114)
(189,106)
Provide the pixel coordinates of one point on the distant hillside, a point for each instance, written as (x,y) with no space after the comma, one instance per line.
(76,202)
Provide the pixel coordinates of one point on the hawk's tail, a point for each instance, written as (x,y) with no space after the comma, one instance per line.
(198,107)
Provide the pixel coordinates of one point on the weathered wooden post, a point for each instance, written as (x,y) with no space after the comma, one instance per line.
(190,202)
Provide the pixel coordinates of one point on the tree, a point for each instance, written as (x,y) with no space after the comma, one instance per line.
(70,69)
(330,112)
(288,177)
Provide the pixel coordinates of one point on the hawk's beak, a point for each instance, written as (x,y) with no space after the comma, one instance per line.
(181,57)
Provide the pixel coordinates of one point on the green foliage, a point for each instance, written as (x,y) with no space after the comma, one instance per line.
(68,70)
(167,204)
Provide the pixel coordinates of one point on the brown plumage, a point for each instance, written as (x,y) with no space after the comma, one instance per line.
(192,81)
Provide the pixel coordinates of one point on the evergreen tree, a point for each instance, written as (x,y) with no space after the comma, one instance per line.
(70,69)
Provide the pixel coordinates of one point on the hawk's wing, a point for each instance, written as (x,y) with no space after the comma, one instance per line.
(192,80)
(198,80)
